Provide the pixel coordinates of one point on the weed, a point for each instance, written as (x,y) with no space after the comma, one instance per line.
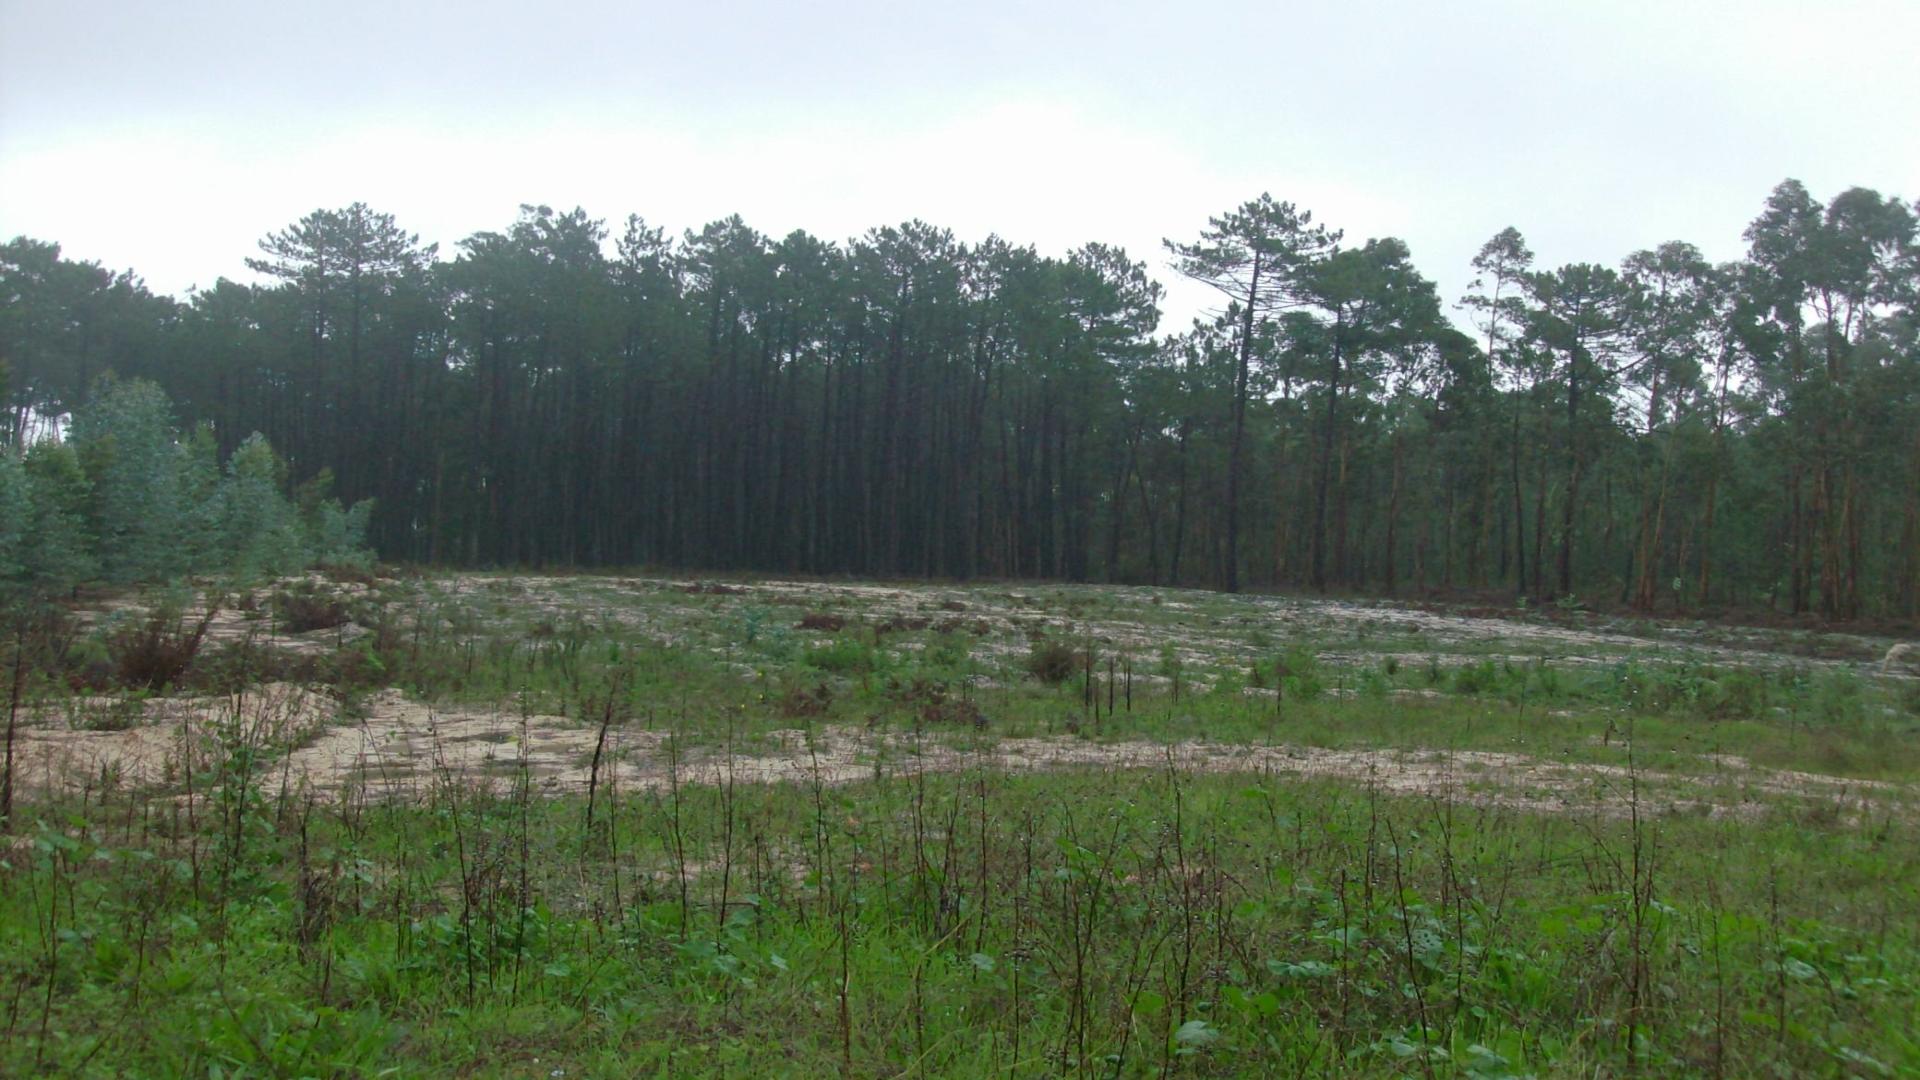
(674,915)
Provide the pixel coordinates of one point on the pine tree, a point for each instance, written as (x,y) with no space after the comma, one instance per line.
(261,529)
(59,553)
(15,506)
(125,439)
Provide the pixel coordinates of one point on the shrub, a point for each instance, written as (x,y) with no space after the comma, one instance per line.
(306,607)
(949,650)
(843,656)
(806,701)
(952,712)
(1741,695)
(1837,697)
(933,703)
(1478,678)
(155,653)
(1054,662)
(1300,670)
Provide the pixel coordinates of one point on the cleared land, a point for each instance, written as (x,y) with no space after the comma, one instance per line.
(492,825)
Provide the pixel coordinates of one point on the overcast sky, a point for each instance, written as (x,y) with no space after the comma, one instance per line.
(168,138)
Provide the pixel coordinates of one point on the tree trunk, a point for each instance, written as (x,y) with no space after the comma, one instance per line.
(1519,515)
(1234,445)
(1393,520)
(1325,480)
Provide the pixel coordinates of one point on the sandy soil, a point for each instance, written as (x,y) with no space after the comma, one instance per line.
(65,750)
(1205,629)
(402,749)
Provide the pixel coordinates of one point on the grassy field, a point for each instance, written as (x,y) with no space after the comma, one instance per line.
(605,827)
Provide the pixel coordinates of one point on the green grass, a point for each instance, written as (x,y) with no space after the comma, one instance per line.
(1094,922)
(1108,923)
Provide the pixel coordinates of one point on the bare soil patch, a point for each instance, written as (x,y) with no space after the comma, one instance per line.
(402,749)
(93,741)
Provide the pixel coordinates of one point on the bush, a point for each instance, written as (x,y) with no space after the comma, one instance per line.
(1479,678)
(953,712)
(156,653)
(1837,698)
(844,656)
(948,650)
(1300,668)
(934,705)
(800,702)
(234,667)
(1741,695)
(306,607)
(1054,662)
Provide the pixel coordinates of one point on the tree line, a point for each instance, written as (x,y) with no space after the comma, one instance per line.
(1667,433)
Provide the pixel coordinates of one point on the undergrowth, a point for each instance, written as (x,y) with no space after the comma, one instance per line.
(1104,923)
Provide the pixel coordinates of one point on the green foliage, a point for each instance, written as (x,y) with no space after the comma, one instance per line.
(154,651)
(340,539)
(44,546)
(1483,677)
(421,939)
(1147,917)
(1636,434)
(16,503)
(337,535)
(59,551)
(126,444)
(845,656)
(128,500)
(261,532)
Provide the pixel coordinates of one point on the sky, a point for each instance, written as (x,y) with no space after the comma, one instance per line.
(169,138)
